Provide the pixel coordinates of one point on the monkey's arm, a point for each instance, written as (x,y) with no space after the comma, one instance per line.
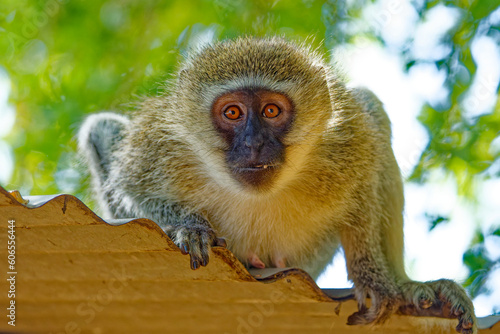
(98,140)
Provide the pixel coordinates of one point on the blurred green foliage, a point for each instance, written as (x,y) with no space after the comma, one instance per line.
(480,263)
(458,144)
(68,58)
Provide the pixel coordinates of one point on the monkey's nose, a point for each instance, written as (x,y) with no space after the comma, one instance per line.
(254,142)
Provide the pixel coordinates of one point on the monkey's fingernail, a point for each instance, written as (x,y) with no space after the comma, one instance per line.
(184,249)
(221,242)
(425,303)
(195,264)
(467,324)
(204,262)
(459,311)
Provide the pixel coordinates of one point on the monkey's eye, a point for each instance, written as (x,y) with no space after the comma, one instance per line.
(233,113)
(271,111)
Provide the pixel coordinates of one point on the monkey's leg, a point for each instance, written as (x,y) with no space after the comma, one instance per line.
(369,272)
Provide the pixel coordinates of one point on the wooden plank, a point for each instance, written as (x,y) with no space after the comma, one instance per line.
(135,236)
(77,274)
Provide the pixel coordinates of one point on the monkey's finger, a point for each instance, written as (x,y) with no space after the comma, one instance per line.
(220,242)
(377,313)
(204,261)
(467,322)
(195,263)
(202,254)
(418,294)
(197,258)
(458,311)
(199,244)
(425,302)
(206,240)
(465,326)
(358,318)
(194,258)
(184,247)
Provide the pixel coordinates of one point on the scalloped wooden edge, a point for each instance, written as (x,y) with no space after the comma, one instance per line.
(326,295)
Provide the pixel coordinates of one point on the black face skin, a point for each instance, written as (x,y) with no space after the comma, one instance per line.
(253,123)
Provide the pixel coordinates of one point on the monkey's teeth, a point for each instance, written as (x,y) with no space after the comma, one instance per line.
(262,166)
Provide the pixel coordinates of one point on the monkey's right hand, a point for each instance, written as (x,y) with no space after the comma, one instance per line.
(195,240)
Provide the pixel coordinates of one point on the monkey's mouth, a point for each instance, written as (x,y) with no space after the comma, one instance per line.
(256,168)
(255,175)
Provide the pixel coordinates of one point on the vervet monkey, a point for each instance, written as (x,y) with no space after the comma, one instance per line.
(259,142)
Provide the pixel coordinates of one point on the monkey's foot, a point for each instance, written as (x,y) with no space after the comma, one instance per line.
(449,300)
(384,302)
(195,240)
(455,302)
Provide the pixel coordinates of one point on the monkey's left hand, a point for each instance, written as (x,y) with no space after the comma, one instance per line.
(195,239)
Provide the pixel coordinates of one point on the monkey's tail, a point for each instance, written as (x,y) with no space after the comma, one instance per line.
(97,140)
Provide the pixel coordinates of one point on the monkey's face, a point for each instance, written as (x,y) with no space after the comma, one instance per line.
(253,124)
